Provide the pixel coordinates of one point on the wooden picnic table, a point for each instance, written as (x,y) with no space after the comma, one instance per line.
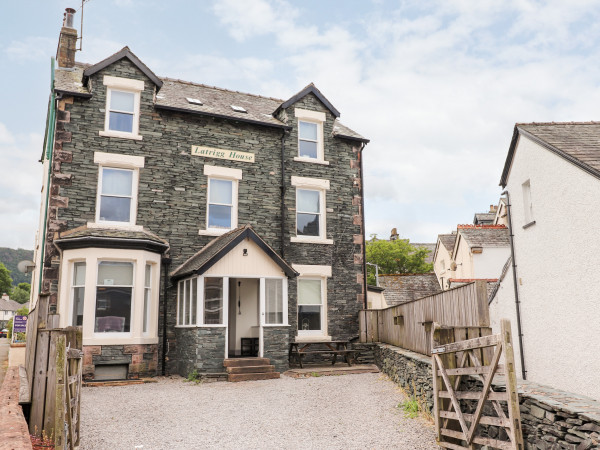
(300,349)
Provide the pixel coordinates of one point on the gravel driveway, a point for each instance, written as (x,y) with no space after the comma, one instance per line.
(349,412)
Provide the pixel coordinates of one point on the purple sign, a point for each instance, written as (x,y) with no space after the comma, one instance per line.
(20,324)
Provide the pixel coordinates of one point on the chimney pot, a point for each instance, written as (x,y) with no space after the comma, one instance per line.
(68,19)
(67,41)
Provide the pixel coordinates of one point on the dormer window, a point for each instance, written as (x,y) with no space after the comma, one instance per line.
(122,107)
(310,136)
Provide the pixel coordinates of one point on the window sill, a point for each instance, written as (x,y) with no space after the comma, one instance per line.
(112,225)
(113,340)
(311,160)
(214,232)
(530,224)
(119,134)
(301,240)
(312,338)
(200,326)
(273,325)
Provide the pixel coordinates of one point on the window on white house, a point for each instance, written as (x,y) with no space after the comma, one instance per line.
(147,297)
(310,306)
(116,195)
(308,212)
(78,293)
(213,301)
(113,297)
(308,140)
(220,203)
(527,204)
(186,300)
(274,302)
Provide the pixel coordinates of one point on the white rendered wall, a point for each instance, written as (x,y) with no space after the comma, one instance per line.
(557,267)
(489,263)
(464,260)
(445,273)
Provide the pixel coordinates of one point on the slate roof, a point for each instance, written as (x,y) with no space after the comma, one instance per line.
(448,241)
(404,287)
(119,238)
(220,246)
(9,305)
(485,236)
(216,102)
(484,218)
(577,142)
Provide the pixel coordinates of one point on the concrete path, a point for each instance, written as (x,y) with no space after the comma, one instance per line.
(4,348)
(324,412)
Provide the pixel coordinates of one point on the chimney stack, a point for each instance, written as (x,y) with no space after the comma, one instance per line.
(394,234)
(67,42)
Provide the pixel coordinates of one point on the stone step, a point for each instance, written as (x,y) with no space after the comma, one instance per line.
(251,369)
(243,362)
(252,376)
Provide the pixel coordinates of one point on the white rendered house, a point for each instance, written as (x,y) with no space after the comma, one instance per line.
(552,177)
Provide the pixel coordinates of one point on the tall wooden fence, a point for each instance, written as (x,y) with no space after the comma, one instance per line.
(408,325)
(54,376)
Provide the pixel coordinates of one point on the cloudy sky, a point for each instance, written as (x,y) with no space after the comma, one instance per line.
(436,85)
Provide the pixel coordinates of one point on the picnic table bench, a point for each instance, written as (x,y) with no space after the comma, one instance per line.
(298,350)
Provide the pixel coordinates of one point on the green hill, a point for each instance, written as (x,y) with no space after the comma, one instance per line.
(10,258)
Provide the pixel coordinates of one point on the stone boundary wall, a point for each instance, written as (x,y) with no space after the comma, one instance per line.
(14,433)
(551,419)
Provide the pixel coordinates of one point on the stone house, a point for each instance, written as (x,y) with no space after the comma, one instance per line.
(187,224)
(552,185)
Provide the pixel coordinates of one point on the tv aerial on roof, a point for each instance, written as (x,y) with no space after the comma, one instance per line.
(26,266)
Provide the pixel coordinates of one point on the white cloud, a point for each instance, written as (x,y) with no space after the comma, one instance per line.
(20,187)
(32,48)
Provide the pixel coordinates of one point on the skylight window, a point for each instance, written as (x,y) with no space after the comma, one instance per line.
(194,101)
(238,109)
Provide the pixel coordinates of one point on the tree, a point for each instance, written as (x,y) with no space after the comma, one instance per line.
(20,294)
(5,280)
(396,256)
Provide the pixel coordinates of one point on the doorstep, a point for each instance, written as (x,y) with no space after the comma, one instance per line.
(93,383)
(329,370)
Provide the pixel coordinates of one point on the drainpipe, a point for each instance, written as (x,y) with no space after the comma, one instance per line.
(48,155)
(166,263)
(362,219)
(514,267)
(283,193)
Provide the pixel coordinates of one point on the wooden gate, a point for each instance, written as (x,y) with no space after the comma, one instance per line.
(479,358)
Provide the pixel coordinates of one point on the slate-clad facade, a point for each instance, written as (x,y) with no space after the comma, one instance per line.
(133,153)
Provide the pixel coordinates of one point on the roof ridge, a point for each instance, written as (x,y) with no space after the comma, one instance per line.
(193,83)
(473,226)
(590,122)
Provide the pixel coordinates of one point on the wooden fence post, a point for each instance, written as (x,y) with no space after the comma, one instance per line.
(514,414)
(60,396)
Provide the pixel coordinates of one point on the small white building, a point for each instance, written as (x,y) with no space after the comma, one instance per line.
(442,259)
(8,309)
(552,176)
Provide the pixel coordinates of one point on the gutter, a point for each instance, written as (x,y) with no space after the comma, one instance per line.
(49,141)
(362,219)
(517,301)
(283,191)
(166,263)
(110,242)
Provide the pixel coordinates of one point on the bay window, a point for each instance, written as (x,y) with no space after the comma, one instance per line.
(113,297)
(78,293)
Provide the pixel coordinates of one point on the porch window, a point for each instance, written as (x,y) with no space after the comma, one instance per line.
(113,297)
(213,301)
(187,302)
(78,293)
(273,302)
(310,306)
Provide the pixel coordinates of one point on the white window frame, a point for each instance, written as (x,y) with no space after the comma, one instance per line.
(527,203)
(199,319)
(314,272)
(132,317)
(123,85)
(72,287)
(146,306)
(284,300)
(227,174)
(318,118)
(312,184)
(123,162)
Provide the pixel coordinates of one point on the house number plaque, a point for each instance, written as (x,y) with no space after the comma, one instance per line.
(232,155)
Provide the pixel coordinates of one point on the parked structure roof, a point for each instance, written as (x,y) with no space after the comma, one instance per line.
(577,142)
(83,237)
(404,287)
(9,305)
(219,247)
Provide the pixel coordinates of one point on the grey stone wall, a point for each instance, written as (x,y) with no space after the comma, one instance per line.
(201,349)
(551,419)
(276,346)
(172,191)
(142,359)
